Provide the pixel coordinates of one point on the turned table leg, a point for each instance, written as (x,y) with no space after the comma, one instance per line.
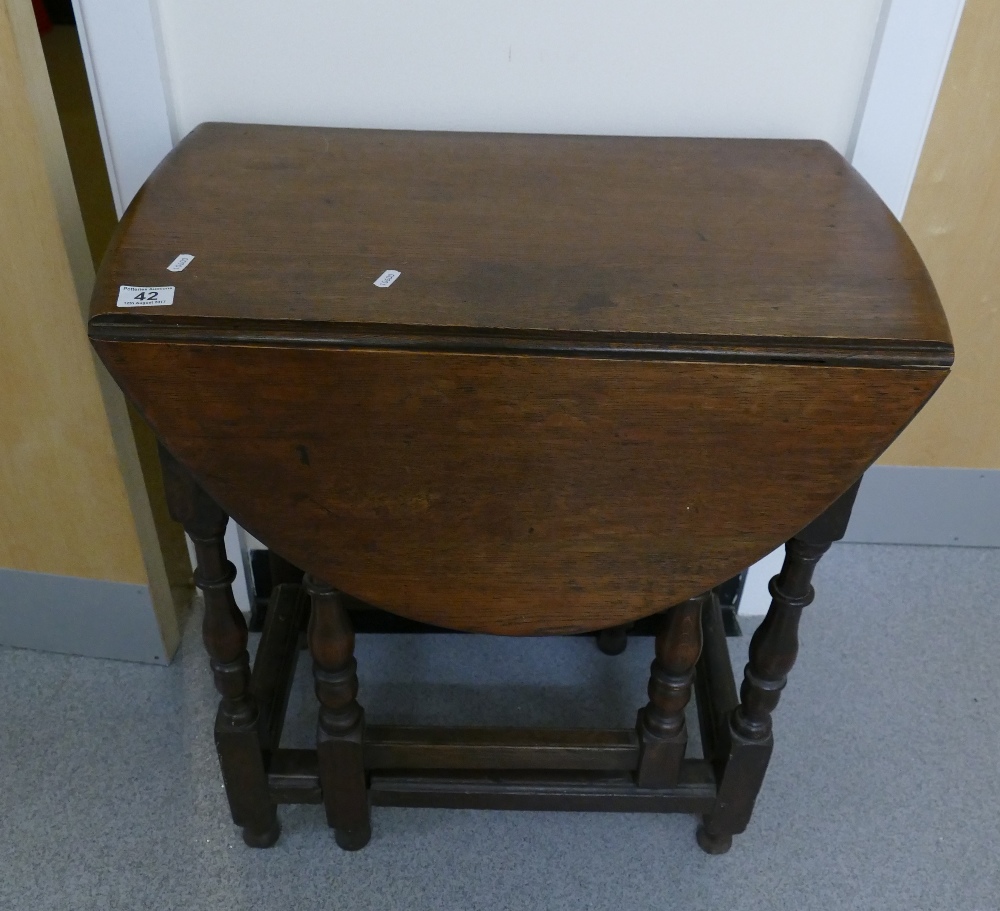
(773,650)
(661,725)
(225,636)
(341,726)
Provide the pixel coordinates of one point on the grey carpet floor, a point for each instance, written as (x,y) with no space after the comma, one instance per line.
(883,792)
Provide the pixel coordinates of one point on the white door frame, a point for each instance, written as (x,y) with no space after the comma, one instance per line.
(135,112)
(909,55)
(906,72)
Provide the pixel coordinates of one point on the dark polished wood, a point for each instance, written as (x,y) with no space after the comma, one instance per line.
(612,373)
(399,747)
(224,632)
(678,299)
(775,644)
(662,728)
(294,778)
(535,791)
(687,242)
(715,688)
(773,650)
(277,654)
(540,494)
(340,730)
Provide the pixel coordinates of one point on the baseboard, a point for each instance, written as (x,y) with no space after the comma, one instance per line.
(949,507)
(90,617)
(957,507)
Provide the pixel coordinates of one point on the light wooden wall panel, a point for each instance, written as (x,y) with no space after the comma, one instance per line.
(953,216)
(72,501)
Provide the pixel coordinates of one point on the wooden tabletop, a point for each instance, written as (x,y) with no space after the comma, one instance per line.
(698,245)
(755,325)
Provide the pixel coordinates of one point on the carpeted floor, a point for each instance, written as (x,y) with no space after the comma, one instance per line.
(883,792)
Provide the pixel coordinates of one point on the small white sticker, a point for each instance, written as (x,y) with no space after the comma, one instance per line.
(182,261)
(135,296)
(387,278)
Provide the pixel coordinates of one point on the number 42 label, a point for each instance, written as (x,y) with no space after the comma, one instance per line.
(134,296)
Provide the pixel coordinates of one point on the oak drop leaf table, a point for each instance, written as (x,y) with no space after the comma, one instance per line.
(516,385)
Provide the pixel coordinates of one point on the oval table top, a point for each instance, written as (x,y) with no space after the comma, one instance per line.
(610,373)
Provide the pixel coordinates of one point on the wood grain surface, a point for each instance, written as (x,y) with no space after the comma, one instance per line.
(613,372)
(515,494)
(689,241)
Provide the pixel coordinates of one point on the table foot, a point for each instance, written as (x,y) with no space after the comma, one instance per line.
(265,839)
(614,640)
(713,844)
(352,839)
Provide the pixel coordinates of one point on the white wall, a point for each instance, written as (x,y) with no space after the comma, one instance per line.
(780,68)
